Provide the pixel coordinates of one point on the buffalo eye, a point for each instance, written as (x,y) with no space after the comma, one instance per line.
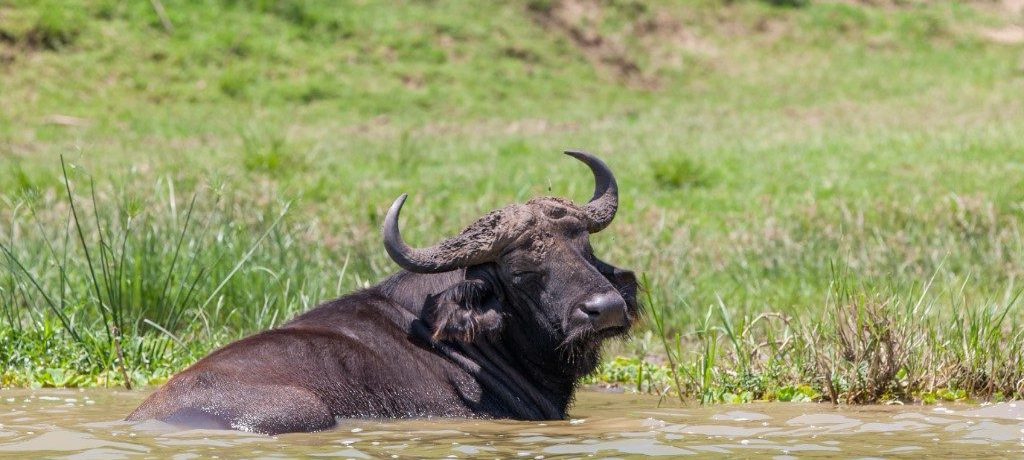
(523,277)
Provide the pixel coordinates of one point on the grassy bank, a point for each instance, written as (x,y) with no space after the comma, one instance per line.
(826,200)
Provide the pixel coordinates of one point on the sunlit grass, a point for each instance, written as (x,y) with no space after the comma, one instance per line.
(864,346)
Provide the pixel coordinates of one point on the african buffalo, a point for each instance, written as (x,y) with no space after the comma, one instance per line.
(500,321)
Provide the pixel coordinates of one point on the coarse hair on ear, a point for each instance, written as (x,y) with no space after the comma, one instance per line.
(465,311)
(624,281)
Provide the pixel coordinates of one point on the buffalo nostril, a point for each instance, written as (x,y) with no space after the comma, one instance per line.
(605,310)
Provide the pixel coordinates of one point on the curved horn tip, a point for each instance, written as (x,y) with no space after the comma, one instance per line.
(393,243)
(391,218)
(590,160)
(578,154)
(398,203)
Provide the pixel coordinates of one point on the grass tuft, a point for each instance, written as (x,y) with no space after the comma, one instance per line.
(55,28)
(121,284)
(681,172)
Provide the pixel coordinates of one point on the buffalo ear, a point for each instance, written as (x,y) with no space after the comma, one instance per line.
(465,311)
(624,281)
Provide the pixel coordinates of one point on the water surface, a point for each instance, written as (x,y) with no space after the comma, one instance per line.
(83,424)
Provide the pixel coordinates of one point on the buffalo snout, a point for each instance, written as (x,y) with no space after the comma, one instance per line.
(605,310)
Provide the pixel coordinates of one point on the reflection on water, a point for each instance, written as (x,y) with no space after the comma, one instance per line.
(77,424)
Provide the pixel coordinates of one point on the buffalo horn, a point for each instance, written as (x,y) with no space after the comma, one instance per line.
(601,208)
(479,243)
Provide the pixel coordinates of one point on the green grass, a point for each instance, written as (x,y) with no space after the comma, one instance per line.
(826,198)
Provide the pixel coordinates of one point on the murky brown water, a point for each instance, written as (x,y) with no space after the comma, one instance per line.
(86,424)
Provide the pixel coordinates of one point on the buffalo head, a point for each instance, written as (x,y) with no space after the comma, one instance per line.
(530,275)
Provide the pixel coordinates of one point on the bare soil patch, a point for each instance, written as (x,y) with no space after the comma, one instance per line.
(1009,35)
(632,53)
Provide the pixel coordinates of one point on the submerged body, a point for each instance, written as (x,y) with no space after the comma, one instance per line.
(365,355)
(501,321)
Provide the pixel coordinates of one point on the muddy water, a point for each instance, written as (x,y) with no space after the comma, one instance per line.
(86,424)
